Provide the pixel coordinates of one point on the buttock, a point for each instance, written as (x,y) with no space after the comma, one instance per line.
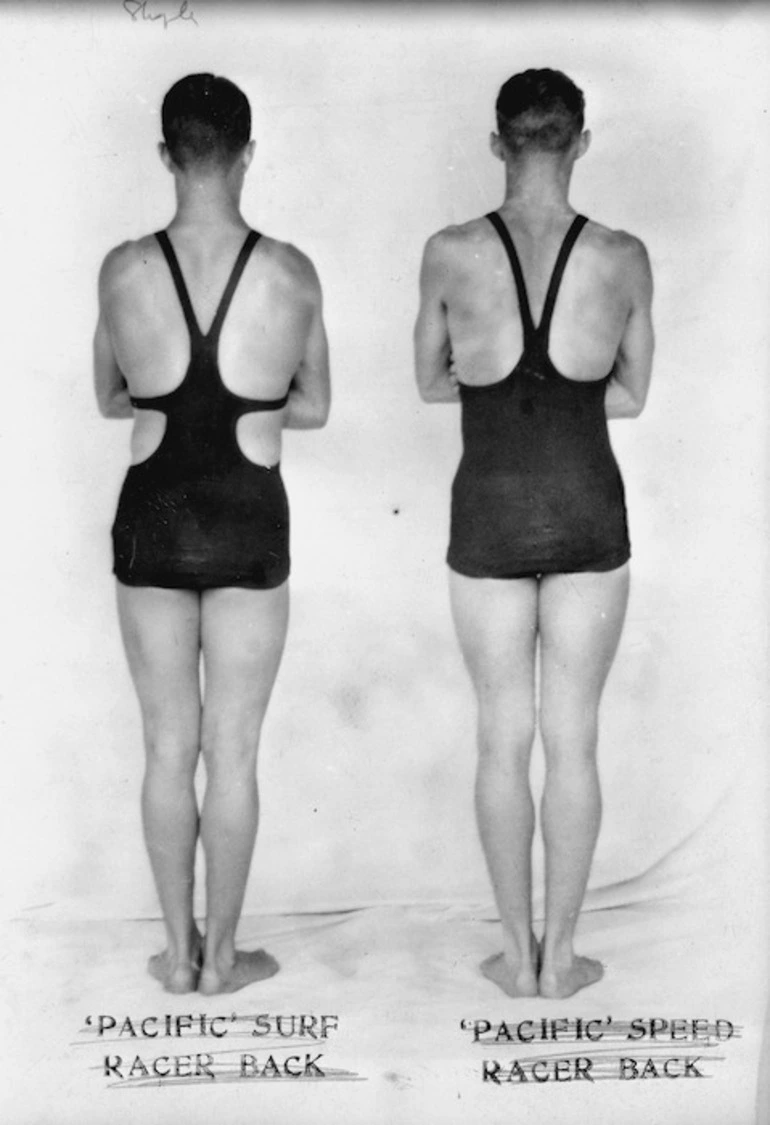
(526,525)
(230,529)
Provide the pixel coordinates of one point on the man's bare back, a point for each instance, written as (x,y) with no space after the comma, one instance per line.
(271,329)
(605,274)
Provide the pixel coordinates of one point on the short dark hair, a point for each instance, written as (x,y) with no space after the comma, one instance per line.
(206,120)
(539,110)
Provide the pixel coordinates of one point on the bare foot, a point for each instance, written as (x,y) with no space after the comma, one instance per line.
(177,977)
(520,981)
(559,983)
(246,969)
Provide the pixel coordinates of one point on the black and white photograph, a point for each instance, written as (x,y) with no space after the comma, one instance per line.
(385,562)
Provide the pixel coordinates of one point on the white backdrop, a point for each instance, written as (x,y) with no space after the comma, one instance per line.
(372,126)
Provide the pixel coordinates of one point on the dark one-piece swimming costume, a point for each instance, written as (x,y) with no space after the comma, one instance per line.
(197,513)
(538,489)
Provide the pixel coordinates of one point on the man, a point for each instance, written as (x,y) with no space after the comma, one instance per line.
(211,338)
(523,314)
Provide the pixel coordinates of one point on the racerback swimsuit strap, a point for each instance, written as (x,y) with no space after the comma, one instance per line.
(240,265)
(203,349)
(521,289)
(184,297)
(544,327)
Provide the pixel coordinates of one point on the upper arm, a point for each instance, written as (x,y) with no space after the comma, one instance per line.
(431,332)
(312,375)
(635,351)
(108,378)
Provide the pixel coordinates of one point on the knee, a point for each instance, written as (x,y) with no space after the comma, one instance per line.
(569,738)
(506,734)
(171,751)
(229,747)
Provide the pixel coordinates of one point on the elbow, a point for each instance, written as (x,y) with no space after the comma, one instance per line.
(428,392)
(105,407)
(448,393)
(637,405)
(628,409)
(436,383)
(624,401)
(634,409)
(309,416)
(321,417)
(118,407)
(425,378)
(320,414)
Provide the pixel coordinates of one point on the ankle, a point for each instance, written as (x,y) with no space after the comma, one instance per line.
(184,947)
(558,953)
(519,948)
(219,956)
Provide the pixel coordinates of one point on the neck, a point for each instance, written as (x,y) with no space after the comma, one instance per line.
(205,199)
(538,184)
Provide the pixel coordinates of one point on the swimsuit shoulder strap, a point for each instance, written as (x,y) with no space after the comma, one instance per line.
(179,283)
(240,265)
(513,258)
(570,238)
(184,297)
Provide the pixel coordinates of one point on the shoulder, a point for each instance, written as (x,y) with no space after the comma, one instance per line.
(451,253)
(291,267)
(617,245)
(454,242)
(123,262)
(622,254)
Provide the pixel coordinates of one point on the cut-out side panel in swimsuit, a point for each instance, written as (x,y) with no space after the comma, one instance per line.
(197,513)
(538,490)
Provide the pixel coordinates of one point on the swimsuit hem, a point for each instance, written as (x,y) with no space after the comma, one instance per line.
(196,584)
(538,569)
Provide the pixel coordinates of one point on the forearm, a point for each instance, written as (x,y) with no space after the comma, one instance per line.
(436,380)
(441,388)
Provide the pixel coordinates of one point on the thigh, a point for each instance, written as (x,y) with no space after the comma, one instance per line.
(580,618)
(496,623)
(161,636)
(242,636)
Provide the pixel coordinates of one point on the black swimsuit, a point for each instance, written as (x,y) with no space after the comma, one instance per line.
(197,513)
(538,489)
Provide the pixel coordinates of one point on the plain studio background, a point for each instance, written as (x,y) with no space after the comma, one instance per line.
(372,130)
(372,125)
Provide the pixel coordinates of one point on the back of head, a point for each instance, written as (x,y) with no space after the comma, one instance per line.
(539,111)
(206,121)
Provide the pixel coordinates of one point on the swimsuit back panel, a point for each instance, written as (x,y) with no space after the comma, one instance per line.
(534,415)
(538,488)
(197,513)
(202,412)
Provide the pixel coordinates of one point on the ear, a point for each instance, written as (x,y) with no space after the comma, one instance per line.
(584,143)
(165,156)
(497,146)
(248,154)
